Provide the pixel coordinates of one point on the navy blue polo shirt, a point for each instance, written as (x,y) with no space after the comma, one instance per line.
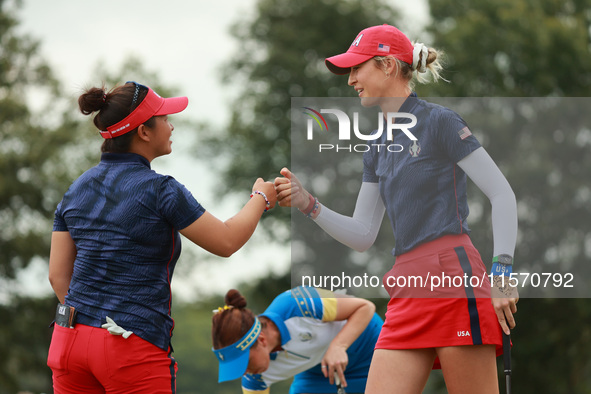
(422,187)
(124,219)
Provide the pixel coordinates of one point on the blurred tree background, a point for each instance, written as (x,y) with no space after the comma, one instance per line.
(498,48)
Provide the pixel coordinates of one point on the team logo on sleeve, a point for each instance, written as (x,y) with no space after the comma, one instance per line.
(415,149)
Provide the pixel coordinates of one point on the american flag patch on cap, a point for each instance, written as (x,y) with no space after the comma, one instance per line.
(383,48)
(464,133)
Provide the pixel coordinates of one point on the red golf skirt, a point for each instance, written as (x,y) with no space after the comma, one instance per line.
(439,296)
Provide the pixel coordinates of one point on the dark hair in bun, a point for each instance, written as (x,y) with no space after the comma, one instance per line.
(112,107)
(232,322)
(235,299)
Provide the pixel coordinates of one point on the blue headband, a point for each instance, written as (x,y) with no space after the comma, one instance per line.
(233,359)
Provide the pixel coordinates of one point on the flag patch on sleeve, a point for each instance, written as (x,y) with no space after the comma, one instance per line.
(464,133)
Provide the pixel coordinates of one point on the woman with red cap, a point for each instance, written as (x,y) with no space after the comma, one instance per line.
(422,188)
(114,247)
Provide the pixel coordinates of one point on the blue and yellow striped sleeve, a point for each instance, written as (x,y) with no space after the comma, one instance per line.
(329,305)
(317,303)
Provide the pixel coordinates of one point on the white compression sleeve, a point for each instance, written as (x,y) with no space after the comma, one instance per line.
(483,171)
(360,231)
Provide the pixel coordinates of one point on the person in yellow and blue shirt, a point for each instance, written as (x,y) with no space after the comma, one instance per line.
(316,336)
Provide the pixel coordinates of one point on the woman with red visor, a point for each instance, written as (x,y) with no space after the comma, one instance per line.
(115,244)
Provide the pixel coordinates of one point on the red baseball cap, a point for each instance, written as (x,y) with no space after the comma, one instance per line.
(152,105)
(379,40)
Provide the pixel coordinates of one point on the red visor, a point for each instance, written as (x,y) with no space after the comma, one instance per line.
(152,105)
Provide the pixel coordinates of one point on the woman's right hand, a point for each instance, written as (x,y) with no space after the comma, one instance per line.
(268,188)
(290,192)
(223,238)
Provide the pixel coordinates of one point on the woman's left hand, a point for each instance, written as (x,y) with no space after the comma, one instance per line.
(335,360)
(504,300)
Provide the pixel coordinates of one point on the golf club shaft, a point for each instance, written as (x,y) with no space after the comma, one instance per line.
(507,361)
(337,380)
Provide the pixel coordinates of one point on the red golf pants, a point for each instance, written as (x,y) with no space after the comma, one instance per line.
(87,359)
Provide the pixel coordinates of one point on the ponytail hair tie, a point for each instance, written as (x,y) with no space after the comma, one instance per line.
(224,308)
(419,57)
(104,97)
